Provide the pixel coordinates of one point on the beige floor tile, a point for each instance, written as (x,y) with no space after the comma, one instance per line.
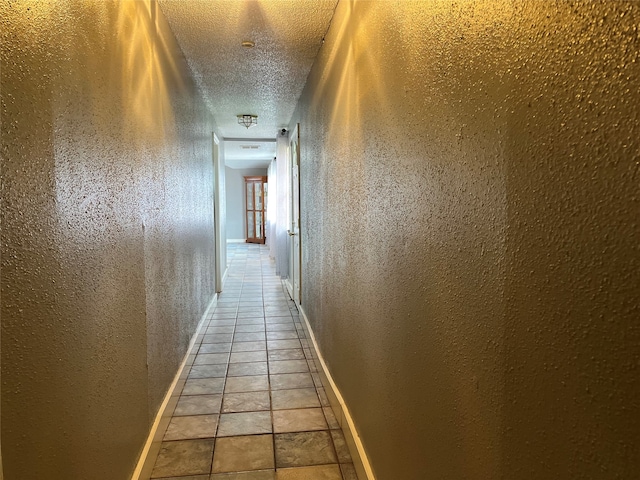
(238,454)
(223,322)
(256,475)
(225,309)
(246,402)
(250,319)
(215,330)
(283,344)
(247,368)
(241,357)
(273,312)
(244,423)
(203,386)
(291,354)
(197,426)
(295,398)
(286,319)
(181,458)
(288,366)
(252,383)
(304,449)
(190,477)
(198,405)
(285,381)
(299,420)
(208,371)
(320,472)
(250,328)
(281,327)
(211,358)
(215,348)
(282,335)
(252,311)
(249,336)
(248,346)
(218,338)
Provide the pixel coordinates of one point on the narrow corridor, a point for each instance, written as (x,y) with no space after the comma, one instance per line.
(251,405)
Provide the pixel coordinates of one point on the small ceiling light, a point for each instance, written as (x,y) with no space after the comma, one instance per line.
(248,120)
(248,44)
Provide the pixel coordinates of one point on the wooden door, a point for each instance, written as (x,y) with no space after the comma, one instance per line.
(255,189)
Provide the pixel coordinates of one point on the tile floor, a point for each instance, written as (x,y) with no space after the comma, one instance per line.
(252,406)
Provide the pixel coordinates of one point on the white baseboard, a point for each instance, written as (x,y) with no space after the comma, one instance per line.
(236,240)
(356,448)
(154,439)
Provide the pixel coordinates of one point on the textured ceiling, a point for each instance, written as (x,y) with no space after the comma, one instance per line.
(266,80)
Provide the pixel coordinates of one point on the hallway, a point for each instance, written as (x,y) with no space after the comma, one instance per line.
(460,182)
(250,398)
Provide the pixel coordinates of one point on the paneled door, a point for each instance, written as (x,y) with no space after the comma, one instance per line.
(256,189)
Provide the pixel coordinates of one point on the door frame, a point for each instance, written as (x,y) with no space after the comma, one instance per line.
(294,277)
(217,212)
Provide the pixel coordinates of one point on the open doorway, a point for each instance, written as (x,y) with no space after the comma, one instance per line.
(294,277)
(246,160)
(218,214)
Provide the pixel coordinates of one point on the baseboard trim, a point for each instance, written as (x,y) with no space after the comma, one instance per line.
(154,439)
(236,240)
(356,448)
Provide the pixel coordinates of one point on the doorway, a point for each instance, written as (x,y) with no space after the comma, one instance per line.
(218,223)
(294,278)
(255,208)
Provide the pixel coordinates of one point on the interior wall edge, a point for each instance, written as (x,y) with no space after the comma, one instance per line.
(152,445)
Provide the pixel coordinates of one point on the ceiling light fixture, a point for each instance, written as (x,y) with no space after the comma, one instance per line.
(248,120)
(248,44)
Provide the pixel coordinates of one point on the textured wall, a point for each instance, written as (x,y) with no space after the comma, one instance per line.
(470,234)
(107,255)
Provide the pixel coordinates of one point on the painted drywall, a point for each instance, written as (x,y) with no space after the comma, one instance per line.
(236,201)
(107,245)
(470,234)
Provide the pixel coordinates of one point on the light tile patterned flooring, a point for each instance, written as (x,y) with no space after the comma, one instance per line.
(252,406)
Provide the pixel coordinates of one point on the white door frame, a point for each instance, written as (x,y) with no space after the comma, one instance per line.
(217,218)
(293,158)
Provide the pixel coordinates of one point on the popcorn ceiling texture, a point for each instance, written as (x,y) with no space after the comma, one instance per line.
(107,256)
(287,36)
(470,176)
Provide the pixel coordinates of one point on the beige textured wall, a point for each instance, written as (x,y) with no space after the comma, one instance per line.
(107,249)
(470,234)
